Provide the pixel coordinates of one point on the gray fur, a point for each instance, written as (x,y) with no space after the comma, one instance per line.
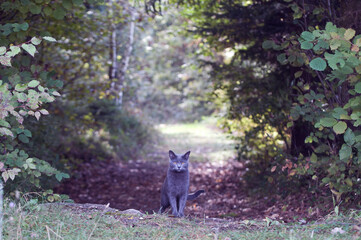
(175,187)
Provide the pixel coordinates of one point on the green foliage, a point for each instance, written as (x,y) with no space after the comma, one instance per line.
(331,105)
(306,91)
(20,98)
(93,131)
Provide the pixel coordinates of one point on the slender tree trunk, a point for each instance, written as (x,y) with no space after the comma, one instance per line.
(122,72)
(113,44)
(113,70)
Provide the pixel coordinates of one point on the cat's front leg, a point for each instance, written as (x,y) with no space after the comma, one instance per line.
(182,204)
(173,204)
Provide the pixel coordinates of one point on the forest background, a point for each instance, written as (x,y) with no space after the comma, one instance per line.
(282,76)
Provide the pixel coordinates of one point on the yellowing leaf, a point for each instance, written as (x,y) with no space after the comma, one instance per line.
(5,176)
(340,127)
(293,172)
(348,182)
(355,48)
(350,33)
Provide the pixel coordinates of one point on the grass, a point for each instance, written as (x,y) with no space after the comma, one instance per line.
(56,222)
(204,139)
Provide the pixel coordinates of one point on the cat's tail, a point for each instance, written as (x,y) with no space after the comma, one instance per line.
(195,195)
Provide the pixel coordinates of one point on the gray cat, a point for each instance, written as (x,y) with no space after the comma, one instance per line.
(175,187)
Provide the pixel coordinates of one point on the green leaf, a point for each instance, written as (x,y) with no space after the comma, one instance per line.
(348,182)
(350,33)
(5,176)
(59,176)
(349,137)
(33,83)
(48,11)
(313,158)
(21,87)
(44,111)
(306,45)
(30,48)
(67,4)
(345,152)
(27,133)
(322,148)
(24,26)
(6,132)
(2,50)
(328,122)
(77,2)
(281,58)
(298,74)
(49,39)
(335,43)
(23,138)
(358,87)
(59,83)
(321,44)
(268,44)
(330,27)
(41,88)
(338,112)
(22,97)
(340,127)
(14,51)
(59,13)
(16,27)
(358,41)
(308,36)
(35,41)
(6,61)
(4,123)
(55,93)
(35,9)
(326,180)
(318,64)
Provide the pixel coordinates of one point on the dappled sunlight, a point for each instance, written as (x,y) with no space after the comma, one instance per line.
(205,141)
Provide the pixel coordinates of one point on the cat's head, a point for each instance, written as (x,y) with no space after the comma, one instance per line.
(178,163)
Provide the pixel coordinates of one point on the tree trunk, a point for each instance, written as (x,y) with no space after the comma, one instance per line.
(122,72)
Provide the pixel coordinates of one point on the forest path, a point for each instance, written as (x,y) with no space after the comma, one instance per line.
(136,184)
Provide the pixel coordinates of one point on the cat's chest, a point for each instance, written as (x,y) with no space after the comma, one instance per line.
(178,182)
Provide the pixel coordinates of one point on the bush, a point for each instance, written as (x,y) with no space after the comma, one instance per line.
(329,100)
(90,132)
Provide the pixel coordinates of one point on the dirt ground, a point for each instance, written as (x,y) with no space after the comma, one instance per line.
(137,184)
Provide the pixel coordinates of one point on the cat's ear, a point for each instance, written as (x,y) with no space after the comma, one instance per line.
(172,155)
(186,155)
